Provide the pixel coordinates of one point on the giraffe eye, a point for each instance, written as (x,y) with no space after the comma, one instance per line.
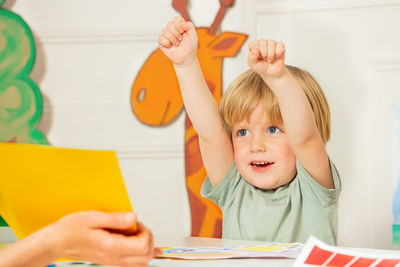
(141,95)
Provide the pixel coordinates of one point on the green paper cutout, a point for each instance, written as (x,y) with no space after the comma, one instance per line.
(20,98)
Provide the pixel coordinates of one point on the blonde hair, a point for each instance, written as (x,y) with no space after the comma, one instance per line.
(249,89)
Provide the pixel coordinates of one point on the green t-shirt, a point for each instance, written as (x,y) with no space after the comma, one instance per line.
(291,213)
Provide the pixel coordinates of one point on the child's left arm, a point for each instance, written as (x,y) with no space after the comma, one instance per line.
(267,59)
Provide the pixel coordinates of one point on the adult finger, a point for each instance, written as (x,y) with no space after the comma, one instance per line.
(139,244)
(157,252)
(115,220)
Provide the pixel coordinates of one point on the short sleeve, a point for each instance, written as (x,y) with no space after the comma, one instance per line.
(224,192)
(312,190)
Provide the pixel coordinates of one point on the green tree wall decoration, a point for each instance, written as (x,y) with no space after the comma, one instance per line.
(20,98)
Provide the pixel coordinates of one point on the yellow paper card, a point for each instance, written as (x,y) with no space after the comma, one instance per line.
(40,184)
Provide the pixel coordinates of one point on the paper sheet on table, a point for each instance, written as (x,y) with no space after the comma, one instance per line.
(40,184)
(268,250)
(317,253)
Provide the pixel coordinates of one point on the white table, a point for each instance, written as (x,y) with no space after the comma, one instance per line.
(7,236)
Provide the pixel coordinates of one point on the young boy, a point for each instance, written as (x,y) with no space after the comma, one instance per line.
(267,166)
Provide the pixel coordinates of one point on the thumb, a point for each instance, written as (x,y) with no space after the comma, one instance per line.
(188,27)
(252,59)
(157,252)
(115,220)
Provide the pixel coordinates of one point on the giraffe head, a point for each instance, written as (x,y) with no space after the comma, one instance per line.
(155,95)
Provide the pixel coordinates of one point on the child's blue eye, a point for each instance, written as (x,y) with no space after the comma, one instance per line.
(242,132)
(273,129)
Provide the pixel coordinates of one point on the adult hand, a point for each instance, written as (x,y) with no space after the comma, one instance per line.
(87,235)
(90,236)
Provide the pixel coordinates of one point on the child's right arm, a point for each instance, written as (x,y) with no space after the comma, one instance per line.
(179,41)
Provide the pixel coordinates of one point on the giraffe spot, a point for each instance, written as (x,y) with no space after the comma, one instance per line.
(211,86)
(198,212)
(224,44)
(141,95)
(217,229)
(188,123)
(193,161)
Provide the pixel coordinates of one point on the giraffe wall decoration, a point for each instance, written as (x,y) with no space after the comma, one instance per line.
(157,102)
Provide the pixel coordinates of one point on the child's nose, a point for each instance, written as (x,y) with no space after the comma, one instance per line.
(258,145)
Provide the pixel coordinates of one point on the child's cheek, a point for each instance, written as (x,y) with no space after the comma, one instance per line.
(237,143)
(239,151)
(286,151)
(240,140)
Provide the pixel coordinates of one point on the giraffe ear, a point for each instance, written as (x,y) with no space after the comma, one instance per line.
(227,44)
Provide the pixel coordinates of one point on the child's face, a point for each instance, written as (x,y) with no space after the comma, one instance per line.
(262,152)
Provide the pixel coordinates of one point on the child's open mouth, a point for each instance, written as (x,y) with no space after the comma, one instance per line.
(261,164)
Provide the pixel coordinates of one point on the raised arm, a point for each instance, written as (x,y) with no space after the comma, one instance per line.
(179,42)
(267,59)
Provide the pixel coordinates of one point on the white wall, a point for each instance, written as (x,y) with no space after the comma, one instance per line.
(89,52)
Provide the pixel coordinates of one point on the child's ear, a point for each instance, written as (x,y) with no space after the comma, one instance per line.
(227,44)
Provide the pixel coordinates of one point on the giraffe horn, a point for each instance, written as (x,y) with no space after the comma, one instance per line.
(180,6)
(224,4)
